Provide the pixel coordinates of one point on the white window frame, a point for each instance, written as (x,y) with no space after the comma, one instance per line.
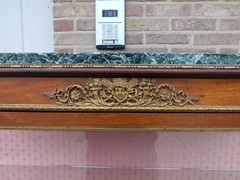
(26,26)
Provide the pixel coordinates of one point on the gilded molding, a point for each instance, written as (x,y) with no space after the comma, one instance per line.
(177,109)
(121,92)
(120,66)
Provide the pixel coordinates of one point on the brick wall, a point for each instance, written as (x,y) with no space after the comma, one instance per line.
(209,26)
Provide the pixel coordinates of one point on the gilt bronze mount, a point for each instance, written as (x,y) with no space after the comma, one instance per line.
(121,92)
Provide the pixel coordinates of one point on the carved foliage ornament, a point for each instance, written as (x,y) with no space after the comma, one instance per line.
(121,92)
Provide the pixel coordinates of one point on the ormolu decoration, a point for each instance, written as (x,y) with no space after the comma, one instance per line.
(121,92)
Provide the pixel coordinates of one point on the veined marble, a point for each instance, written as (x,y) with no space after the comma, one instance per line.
(118,58)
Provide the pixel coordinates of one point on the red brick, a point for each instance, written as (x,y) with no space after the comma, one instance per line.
(192,0)
(168,10)
(135,0)
(219,10)
(147,24)
(85,25)
(134,10)
(193,50)
(63,11)
(63,25)
(228,51)
(158,18)
(85,0)
(167,39)
(156,0)
(230,24)
(216,39)
(134,38)
(148,48)
(146,0)
(83,10)
(61,1)
(86,48)
(63,50)
(193,24)
(74,39)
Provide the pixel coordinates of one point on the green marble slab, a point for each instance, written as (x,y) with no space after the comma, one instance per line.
(119,58)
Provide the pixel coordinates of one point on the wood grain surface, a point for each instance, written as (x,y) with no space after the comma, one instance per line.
(119,120)
(211,90)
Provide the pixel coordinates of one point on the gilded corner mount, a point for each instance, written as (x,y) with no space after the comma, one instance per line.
(121,92)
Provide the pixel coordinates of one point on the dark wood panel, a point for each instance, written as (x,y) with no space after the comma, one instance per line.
(120,120)
(217,87)
(210,92)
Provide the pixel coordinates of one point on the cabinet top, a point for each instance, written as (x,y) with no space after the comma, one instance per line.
(119,58)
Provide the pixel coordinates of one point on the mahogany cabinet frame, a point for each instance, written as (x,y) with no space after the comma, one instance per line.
(120,97)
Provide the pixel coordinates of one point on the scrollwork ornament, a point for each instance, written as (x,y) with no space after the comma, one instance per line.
(121,92)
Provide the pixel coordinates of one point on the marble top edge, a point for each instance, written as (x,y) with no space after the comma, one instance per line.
(120,58)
